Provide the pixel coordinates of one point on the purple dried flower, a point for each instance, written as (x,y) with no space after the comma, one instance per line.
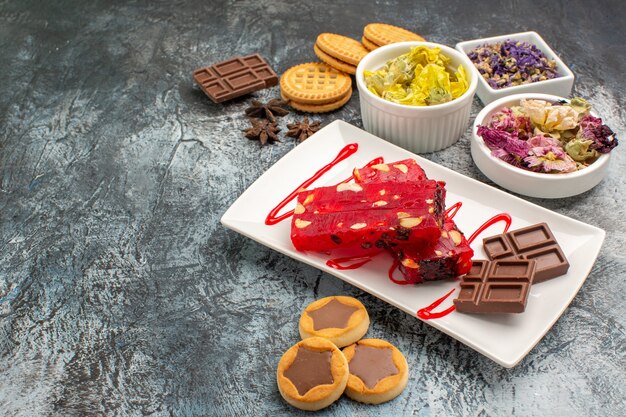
(500,139)
(604,139)
(512,63)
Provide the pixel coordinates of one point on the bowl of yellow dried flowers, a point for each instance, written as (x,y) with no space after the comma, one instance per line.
(542,145)
(417,95)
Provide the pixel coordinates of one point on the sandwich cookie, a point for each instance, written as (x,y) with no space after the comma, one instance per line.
(312,374)
(369,45)
(382,34)
(315,87)
(378,371)
(340,319)
(340,52)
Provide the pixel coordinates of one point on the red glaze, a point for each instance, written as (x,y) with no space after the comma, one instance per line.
(394,266)
(340,263)
(452,210)
(502,217)
(273,217)
(427,314)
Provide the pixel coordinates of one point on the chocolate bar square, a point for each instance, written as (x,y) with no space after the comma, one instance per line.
(235,77)
(496,286)
(534,242)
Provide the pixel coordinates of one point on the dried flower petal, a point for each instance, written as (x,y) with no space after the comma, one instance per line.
(420,77)
(550,159)
(511,62)
(603,138)
(509,142)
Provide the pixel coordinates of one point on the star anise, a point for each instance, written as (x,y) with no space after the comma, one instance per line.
(302,130)
(262,130)
(268,110)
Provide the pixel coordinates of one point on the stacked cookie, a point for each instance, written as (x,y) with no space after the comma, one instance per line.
(376,35)
(315,87)
(340,52)
(314,373)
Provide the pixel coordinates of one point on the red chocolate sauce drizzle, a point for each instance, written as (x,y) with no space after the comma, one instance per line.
(392,269)
(342,263)
(452,210)
(502,217)
(427,314)
(273,217)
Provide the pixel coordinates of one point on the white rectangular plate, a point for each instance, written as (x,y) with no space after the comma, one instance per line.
(506,338)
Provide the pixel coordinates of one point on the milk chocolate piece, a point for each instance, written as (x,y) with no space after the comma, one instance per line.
(309,369)
(235,77)
(496,286)
(534,242)
(333,314)
(371,364)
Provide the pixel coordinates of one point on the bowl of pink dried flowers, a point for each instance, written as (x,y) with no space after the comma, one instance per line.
(542,145)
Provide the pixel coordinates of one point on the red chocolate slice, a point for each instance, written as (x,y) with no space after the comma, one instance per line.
(333,314)
(372,364)
(369,216)
(399,171)
(235,77)
(450,257)
(309,369)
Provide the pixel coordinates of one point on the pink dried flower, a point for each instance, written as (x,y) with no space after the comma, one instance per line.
(550,159)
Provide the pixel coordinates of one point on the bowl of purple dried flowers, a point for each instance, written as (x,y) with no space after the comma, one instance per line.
(542,145)
(515,64)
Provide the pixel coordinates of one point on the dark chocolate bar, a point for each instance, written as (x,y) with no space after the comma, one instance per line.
(235,77)
(534,242)
(496,286)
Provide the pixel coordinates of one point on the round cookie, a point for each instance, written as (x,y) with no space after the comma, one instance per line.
(314,83)
(318,108)
(341,47)
(334,62)
(383,34)
(378,371)
(340,319)
(368,44)
(312,374)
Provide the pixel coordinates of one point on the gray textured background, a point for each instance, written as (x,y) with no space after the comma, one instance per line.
(122,295)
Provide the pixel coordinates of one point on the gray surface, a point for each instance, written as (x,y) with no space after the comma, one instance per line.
(122,295)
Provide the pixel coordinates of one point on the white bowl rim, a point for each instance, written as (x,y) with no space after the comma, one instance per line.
(501,102)
(568,74)
(403,45)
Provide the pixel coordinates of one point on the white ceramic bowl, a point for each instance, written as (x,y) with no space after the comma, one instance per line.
(560,86)
(532,184)
(416,128)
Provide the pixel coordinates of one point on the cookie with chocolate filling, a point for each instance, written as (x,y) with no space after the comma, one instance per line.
(378,371)
(340,319)
(312,374)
